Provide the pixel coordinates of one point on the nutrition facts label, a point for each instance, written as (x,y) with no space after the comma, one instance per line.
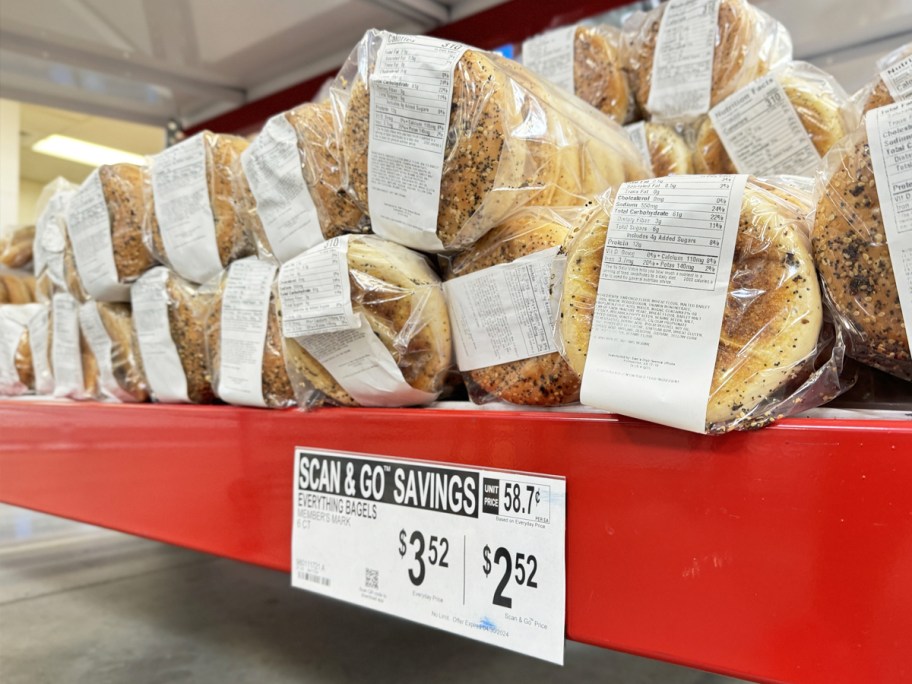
(315,291)
(898,79)
(551,55)
(653,345)
(411,92)
(669,231)
(683,62)
(502,313)
(762,133)
(890,140)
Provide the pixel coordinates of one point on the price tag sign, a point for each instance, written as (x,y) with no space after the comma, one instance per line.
(472,551)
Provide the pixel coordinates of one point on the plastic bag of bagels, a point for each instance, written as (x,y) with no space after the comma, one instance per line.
(107,329)
(193,223)
(441,142)
(244,336)
(891,84)
(17,374)
(499,298)
(365,324)
(72,364)
(587,61)
(757,114)
(774,356)
(16,246)
(855,253)
(686,56)
(16,287)
(293,184)
(663,147)
(169,316)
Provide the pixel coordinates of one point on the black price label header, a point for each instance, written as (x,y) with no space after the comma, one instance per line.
(414,486)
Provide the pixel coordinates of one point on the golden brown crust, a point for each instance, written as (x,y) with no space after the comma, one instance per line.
(667,150)
(545,380)
(853,259)
(16,288)
(879,95)
(126,361)
(598,74)
(709,154)
(186,315)
(16,247)
(90,374)
(122,185)
(23,361)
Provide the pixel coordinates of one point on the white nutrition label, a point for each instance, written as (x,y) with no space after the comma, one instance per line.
(551,55)
(66,356)
(315,290)
(102,348)
(272,165)
(683,62)
(38,341)
(162,364)
(898,79)
(180,191)
(359,362)
(89,226)
(762,133)
(661,296)
(502,313)
(245,311)
(890,141)
(411,92)
(637,134)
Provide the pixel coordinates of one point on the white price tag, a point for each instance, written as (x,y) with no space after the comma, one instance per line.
(890,141)
(637,134)
(551,55)
(898,79)
(472,551)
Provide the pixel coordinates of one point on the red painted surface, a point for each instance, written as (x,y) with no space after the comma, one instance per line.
(510,22)
(779,555)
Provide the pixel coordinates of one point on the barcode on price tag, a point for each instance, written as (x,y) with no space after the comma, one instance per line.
(472,551)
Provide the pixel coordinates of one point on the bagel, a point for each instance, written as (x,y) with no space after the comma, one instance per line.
(125,362)
(19,376)
(667,150)
(598,74)
(402,301)
(16,247)
(772,317)
(122,185)
(820,103)
(545,380)
(232,233)
(878,94)
(853,259)
(275,385)
(16,288)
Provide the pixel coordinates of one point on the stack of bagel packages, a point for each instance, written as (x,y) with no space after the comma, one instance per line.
(628,219)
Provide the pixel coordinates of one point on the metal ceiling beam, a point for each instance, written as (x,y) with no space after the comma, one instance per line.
(120,66)
(42,97)
(425,12)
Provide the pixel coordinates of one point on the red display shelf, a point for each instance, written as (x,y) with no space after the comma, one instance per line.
(778,555)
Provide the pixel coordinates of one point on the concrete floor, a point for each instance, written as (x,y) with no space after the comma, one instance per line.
(80,604)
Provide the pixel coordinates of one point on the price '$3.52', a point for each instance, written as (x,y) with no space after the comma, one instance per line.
(476,552)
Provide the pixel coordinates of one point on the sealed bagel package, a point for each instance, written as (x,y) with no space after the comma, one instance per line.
(169,315)
(586,61)
(17,372)
(38,336)
(292,187)
(107,328)
(662,147)
(862,238)
(16,246)
(244,337)
(365,324)
(893,82)
(50,237)
(72,365)
(441,142)
(692,301)
(781,123)
(104,227)
(499,297)
(193,222)
(686,56)
(16,287)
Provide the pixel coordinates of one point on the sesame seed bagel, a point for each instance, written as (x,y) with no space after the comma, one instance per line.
(598,74)
(667,149)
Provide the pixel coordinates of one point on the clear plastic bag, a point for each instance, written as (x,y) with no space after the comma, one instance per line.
(17,375)
(824,109)
(254,372)
(38,344)
(107,330)
(512,140)
(296,222)
(877,94)
(107,212)
(191,204)
(669,153)
(50,230)
(395,347)
(748,43)
(72,365)
(776,356)
(853,259)
(16,246)
(169,315)
(543,379)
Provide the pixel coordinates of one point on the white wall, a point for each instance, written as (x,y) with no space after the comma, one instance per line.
(9,163)
(28,198)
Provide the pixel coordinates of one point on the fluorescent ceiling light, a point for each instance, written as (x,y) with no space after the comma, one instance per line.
(83,152)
